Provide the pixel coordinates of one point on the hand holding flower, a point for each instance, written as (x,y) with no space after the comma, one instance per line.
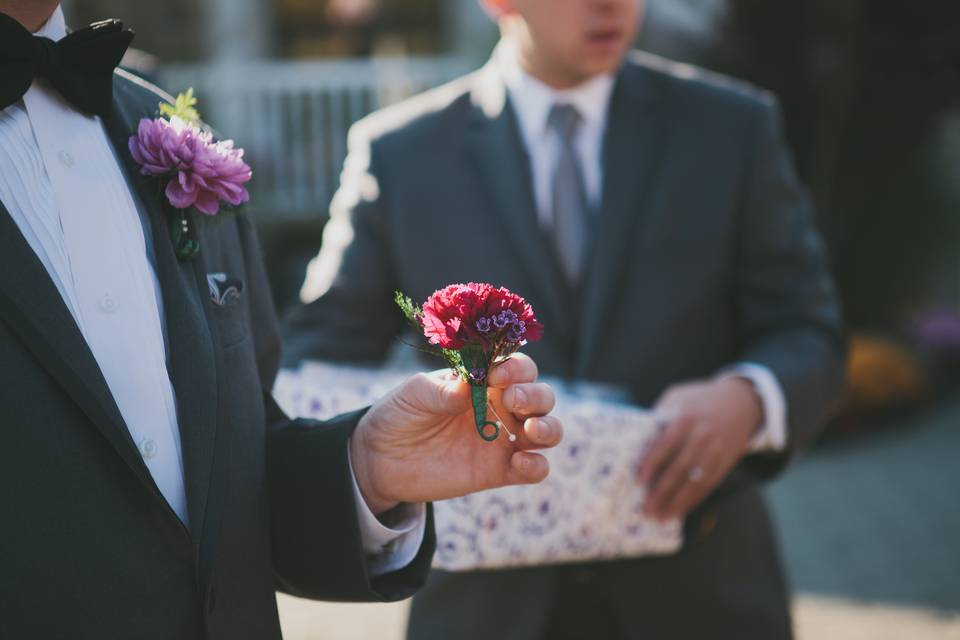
(418,443)
(475,327)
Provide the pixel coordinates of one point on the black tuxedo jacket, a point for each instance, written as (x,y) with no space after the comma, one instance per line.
(703,254)
(89,548)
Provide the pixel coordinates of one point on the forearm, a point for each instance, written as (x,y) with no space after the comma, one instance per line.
(318,539)
(340,327)
(790,320)
(809,366)
(318,543)
(348,312)
(314,527)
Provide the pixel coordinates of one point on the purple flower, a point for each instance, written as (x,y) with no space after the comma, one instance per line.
(517,331)
(504,318)
(478,374)
(939,329)
(483,325)
(202,172)
(157,146)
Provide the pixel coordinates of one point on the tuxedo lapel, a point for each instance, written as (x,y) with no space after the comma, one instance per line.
(32,307)
(494,143)
(192,361)
(632,148)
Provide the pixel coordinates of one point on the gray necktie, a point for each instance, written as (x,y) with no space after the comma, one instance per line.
(568,193)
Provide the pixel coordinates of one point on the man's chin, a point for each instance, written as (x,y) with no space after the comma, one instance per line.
(594,66)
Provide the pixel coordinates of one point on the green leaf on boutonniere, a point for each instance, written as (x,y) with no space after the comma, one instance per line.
(183,107)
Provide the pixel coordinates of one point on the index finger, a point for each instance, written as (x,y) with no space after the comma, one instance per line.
(662,450)
(517,369)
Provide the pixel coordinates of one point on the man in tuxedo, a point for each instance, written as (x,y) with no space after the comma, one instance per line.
(151,488)
(651,214)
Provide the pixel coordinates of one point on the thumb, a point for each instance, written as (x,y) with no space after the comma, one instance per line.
(454,397)
(441,393)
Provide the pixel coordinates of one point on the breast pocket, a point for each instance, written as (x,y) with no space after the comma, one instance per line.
(232,323)
(230,309)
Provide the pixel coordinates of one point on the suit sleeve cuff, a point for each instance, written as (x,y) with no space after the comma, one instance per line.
(392,541)
(772,434)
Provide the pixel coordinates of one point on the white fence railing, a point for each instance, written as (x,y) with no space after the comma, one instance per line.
(292,117)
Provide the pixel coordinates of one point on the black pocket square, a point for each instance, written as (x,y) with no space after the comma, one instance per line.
(224,290)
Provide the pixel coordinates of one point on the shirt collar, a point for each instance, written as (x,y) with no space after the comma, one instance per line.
(55,28)
(532,99)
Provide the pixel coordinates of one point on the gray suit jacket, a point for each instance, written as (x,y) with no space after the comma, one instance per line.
(90,548)
(704,254)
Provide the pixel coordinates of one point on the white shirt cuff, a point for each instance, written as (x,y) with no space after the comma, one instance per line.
(772,434)
(389,548)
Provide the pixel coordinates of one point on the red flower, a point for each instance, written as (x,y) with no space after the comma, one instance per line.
(479,314)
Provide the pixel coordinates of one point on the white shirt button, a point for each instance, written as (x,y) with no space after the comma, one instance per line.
(66,158)
(148,448)
(108,304)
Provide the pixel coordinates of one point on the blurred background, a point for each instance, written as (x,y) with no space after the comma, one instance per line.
(870,521)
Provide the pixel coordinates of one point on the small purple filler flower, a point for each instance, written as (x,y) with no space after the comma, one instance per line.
(202,172)
(478,374)
(505,318)
(483,325)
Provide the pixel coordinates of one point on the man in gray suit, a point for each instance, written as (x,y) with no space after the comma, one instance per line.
(650,213)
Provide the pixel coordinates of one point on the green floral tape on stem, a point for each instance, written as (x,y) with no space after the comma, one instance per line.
(183,235)
(479,395)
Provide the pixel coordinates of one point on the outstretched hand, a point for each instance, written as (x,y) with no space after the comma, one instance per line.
(420,443)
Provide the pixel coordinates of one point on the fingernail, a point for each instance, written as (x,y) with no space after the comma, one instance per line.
(544,430)
(519,399)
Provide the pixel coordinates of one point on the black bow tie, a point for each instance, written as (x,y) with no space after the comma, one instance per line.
(80,66)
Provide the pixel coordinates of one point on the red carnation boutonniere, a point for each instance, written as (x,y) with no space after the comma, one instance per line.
(474,327)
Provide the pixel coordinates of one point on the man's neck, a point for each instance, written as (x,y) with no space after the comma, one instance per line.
(520,42)
(513,55)
(32,14)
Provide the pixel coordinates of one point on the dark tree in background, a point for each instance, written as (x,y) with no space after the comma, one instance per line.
(868,87)
(172,30)
(358,28)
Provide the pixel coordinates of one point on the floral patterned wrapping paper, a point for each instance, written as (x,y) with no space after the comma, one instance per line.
(589,508)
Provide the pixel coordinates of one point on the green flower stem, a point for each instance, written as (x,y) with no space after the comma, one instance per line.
(478,392)
(183,235)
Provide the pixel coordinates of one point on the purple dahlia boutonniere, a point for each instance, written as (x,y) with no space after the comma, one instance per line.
(198,173)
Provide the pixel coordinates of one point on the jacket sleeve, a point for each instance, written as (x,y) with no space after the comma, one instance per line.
(789,316)
(348,313)
(317,549)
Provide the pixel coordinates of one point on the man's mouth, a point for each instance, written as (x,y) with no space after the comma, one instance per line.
(604,38)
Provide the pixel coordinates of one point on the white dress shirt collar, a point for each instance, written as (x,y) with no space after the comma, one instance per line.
(532,99)
(55,28)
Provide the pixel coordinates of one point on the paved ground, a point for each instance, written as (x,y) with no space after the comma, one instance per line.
(871,534)
(877,519)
